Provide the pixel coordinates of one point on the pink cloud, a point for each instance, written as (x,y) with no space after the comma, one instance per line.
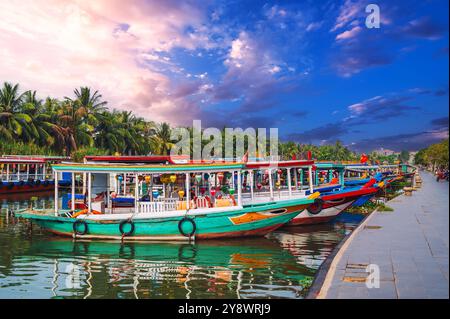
(55,46)
(349,33)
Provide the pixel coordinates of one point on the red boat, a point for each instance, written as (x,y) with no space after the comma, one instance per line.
(332,204)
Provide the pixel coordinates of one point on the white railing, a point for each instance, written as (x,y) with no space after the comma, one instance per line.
(22,177)
(157,207)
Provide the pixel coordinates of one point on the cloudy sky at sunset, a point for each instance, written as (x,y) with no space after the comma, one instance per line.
(310,68)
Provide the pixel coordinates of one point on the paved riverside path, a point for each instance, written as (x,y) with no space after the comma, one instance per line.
(410,246)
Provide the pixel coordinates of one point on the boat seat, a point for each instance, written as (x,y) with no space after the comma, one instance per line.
(223,202)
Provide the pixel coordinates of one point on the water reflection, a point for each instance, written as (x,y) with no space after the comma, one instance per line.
(34,264)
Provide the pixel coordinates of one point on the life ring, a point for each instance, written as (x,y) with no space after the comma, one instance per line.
(45,183)
(21,183)
(38,182)
(180,227)
(316,207)
(75,227)
(122,224)
(10,185)
(85,211)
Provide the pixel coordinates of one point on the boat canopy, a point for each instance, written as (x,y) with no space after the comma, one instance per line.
(21,161)
(329,165)
(149,159)
(283,164)
(163,169)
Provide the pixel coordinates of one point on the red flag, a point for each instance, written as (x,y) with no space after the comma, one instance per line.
(294,157)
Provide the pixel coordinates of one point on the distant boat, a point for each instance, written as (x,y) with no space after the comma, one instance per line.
(20,174)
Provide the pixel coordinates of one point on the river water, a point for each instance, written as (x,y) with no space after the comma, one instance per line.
(34,264)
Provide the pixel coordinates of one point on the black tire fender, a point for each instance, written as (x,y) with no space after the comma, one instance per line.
(122,224)
(316,207)
(76,230)
(187,220)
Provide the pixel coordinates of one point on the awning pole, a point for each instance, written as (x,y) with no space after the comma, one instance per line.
(289,182)
(89,192)
(73,192)
(56,194)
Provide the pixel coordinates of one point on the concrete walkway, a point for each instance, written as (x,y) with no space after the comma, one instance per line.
(409,245)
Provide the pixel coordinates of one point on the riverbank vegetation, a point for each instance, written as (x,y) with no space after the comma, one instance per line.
(434,156)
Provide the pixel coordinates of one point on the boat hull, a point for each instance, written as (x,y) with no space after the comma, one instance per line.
(25,187)
(243,222)
(327,214)
(333,204)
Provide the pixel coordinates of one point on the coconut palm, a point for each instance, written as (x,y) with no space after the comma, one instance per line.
(12,120)
(161,141)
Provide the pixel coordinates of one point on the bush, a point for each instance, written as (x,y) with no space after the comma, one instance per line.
(20,148)
(78,155)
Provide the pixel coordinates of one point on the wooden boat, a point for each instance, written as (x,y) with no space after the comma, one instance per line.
(185,212)
(21,174)
(328,179)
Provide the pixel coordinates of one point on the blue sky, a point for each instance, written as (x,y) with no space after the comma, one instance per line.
(311,68)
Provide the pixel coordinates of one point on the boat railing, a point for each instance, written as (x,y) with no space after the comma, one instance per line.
(22,177)
(277,195)
(157,207)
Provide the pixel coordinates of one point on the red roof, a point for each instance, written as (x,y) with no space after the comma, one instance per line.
(295,163)
(21,161)
(158,159)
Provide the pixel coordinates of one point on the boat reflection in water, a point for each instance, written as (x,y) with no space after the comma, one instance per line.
(248,268)
(34,264)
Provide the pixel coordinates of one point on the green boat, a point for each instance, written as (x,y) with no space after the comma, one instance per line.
(197,201)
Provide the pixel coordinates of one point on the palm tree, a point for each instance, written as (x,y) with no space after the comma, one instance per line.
(12,120)
(161,141)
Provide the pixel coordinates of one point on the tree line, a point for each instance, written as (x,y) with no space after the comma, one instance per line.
(433,157)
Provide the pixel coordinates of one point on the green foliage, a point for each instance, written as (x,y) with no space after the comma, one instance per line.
(436,155)
(384,208)
(404,156)
(335,152)
(20,148)
(80,153)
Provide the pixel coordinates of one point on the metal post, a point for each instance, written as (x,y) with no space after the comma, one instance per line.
(136,193)
(89,191)
(187,191)
(56,196)
(18,172)
(28,171)
(251,184)
(270,184)
(7,172)
(239,188)
(84,183)
(73,192)
(289,182)
(295,179)
(311,183)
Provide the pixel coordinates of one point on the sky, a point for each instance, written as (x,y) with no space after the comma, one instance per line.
(310,68)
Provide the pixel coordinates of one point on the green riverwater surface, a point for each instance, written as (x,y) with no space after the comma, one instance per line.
(34,264)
